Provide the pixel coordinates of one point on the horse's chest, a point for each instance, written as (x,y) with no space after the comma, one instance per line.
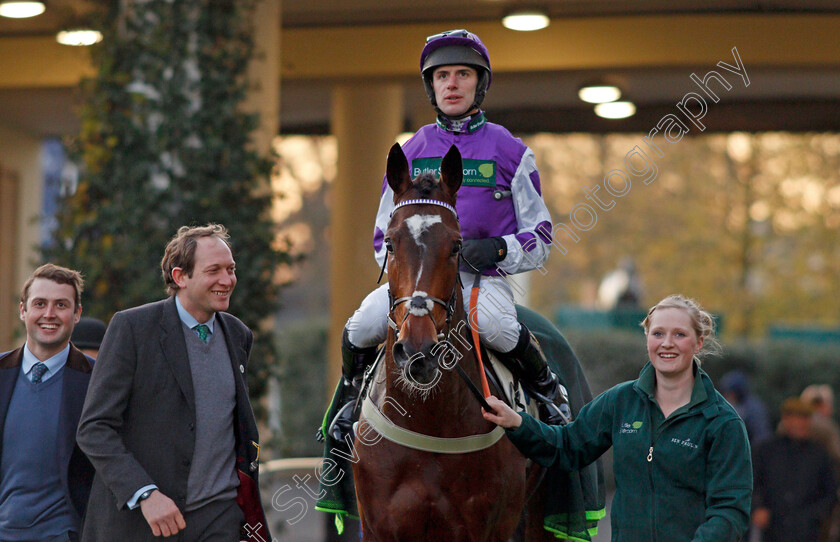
(439,499)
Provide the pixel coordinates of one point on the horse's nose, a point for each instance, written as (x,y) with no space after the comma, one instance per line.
(402,353)
(419,305)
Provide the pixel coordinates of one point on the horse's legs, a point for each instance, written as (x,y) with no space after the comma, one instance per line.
(532,516)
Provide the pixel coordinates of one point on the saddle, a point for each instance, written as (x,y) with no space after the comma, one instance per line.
(510,388)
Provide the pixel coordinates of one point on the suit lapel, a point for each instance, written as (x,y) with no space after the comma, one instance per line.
(175,349)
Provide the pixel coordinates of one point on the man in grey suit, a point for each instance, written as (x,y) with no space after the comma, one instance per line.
(167,422)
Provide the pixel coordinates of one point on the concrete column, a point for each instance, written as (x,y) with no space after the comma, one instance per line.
(264,73)
(21,194)
(263,98)
(366,118)
(8,240)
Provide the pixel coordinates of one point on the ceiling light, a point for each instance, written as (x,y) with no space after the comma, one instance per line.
(21,10)
(79,37)
(526,21)
(615,110)
(598,94)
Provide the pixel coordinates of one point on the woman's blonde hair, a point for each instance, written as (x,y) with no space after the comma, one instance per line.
(701,321)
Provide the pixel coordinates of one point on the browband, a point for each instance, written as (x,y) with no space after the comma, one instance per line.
(425,202)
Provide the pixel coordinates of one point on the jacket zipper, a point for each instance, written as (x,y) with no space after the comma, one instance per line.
(653,436)
(650,475)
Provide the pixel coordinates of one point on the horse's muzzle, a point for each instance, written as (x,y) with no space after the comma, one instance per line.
(419,366)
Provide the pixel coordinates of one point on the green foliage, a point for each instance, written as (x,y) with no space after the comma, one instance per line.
(303,366)
(164,143)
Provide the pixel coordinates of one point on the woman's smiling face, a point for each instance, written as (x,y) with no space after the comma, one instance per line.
(672,342)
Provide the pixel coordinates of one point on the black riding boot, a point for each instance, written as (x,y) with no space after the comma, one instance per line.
(528,358)
(354,361)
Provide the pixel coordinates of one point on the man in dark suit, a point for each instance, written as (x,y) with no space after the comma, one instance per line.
(42,389)
(167,422)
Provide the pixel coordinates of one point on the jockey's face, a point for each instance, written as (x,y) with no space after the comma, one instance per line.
(454,89)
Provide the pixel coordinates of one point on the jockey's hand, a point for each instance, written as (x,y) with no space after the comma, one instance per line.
(502,414)
(481,254)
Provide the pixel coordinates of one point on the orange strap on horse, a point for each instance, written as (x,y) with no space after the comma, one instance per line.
(474,327)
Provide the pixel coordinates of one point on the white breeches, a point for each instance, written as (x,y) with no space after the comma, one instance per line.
(494,314)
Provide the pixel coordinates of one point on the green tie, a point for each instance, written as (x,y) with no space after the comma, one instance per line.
(203,332)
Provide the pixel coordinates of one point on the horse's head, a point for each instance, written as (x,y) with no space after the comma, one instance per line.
(423,242)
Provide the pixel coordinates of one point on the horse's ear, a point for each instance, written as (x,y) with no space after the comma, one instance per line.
(397,171)
(451,172)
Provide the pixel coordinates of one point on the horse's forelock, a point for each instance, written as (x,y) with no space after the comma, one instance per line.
(426,186)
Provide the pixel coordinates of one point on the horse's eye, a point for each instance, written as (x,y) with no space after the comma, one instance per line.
(388,246)
(456,249)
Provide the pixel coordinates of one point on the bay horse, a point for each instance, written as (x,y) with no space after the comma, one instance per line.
(474,486)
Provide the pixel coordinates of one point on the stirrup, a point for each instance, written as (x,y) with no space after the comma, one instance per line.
(554,414)
(342,423)
(553,410)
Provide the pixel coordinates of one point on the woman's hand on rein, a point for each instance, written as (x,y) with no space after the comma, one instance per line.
(503,415)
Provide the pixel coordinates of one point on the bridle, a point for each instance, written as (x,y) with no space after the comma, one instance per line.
(425,303)
(421,305)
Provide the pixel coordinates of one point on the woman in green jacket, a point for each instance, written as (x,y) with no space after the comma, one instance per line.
(680,452)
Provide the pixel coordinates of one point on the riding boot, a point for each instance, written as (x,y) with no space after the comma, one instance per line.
(538,379)
(354,362)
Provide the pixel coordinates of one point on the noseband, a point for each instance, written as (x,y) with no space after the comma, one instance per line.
(421,304)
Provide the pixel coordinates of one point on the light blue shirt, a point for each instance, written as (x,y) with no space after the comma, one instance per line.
(53,364)
(190,322)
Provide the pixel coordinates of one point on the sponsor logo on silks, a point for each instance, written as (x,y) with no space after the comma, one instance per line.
(684,443)
(476,172)
(630,428)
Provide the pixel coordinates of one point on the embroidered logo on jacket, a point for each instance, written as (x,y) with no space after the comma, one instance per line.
(684,443)
(476,172)
(630,428)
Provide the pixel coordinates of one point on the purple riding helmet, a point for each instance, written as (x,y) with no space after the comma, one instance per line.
(456,47)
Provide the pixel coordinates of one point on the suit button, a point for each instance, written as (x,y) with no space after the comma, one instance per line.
(242,369)
(186,462)
(192,427)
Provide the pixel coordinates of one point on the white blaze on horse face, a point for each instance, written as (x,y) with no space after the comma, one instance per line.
(417,225)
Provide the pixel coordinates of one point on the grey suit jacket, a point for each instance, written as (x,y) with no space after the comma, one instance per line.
(138,422)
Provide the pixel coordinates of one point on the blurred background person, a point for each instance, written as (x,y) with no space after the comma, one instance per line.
(621,288)
(825,432)
(735,387)
(824,429)
(87,335)
(795,487)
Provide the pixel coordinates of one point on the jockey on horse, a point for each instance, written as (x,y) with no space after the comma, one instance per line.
(504,221)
